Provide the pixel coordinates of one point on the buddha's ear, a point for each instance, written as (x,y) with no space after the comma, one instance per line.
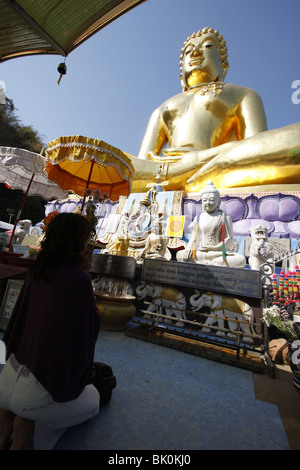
(183,86)
(224,72)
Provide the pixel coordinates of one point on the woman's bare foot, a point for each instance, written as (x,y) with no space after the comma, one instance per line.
(6,428)
(23,431)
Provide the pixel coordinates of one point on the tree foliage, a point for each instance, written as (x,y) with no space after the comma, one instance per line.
(14,134)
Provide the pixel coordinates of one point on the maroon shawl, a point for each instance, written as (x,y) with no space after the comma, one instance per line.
(53,330)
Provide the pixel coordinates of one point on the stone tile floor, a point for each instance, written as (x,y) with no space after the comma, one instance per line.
(170,400)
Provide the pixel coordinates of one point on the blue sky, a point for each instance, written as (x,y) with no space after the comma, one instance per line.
(118,77)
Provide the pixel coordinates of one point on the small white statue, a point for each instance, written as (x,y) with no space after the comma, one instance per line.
(21,231)
(4,240)
(261,251)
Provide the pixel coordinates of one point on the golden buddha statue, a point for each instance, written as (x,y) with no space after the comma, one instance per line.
(214,130)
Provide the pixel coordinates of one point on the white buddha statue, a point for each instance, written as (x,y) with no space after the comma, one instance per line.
(212,240)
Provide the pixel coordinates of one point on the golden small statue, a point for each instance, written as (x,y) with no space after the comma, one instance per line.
(215,130)
(156,244)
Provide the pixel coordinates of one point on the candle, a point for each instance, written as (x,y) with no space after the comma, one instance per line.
(274,286)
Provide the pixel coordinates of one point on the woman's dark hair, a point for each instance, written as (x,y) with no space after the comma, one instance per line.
(65,240)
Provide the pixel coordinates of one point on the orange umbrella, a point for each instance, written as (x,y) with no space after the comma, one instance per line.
(77,163)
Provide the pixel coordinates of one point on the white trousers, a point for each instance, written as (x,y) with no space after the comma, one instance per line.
(21,393)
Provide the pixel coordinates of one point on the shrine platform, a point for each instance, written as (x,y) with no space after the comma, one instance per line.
(170,400)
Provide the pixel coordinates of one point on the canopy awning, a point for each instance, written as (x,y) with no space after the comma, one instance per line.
(54,27)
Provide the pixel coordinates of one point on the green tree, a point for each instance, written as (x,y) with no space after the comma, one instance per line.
(14,134)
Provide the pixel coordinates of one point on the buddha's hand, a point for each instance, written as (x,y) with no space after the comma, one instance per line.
(207,248)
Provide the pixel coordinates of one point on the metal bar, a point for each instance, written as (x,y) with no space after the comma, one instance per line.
(195,323)
(215,316)
(265,303)
(198,336)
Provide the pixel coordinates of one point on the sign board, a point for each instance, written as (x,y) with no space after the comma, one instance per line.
(111,265)
(244,282)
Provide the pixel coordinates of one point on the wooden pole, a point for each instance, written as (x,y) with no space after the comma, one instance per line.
(19,213)
(87,185)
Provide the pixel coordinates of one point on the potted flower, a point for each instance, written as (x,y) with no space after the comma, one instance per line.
(48,218)
(280,318)
(33,251)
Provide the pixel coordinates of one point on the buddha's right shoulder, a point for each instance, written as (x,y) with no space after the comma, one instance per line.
(238,90)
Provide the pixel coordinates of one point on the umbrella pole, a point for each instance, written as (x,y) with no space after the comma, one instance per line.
(87,185)
(19,213)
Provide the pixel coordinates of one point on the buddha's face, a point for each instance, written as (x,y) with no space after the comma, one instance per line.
(201,61)
(210,202)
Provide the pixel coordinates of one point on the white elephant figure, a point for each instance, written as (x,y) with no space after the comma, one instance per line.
(225,307)
(165,300)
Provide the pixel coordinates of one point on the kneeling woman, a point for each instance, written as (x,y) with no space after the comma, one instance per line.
(49,381)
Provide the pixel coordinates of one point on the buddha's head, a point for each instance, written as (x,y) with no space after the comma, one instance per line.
(210,197)
(203,58)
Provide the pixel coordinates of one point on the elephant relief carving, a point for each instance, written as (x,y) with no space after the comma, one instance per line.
(224,307)
(165,300)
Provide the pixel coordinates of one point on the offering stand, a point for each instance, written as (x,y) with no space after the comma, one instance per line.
(113,291)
